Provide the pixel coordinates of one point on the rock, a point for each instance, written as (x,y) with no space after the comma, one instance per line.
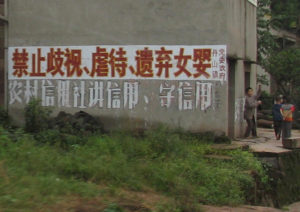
(295,207)
(291,143)
(80,122)
(87,122)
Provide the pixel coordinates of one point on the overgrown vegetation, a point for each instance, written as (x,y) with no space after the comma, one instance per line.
(268,101)
(277,55)
(266,41)
(38,173)
(284,67)
(285,14)
(4,118)
(277,15)
(36,118)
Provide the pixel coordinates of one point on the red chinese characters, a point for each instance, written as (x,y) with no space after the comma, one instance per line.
(182,61)
(222,66)
(118,62)
(202,59)
(37,60)
(99,63)
(104,62)
(55,62)
(73,62)
(110,62)
(144,61)
(163,60)
(20,63)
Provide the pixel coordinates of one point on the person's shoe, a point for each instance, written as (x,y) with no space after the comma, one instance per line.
(255,136)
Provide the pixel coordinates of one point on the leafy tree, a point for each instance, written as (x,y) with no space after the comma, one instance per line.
(285,14)
(284,67)
(282,64)
(266,42)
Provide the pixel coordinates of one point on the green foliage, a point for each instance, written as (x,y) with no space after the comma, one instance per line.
(262,79)
(56,138)
(39,123)
(113,208)
(267,100)
(167,208)
(36,116)
(27,179)
(281,62)
(284,67)
(287,187)
(4,118)
(285,14)
(266,42)
(279,15)
(35,175)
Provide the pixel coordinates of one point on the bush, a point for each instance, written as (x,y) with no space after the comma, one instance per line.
(4,118)
(56,138)
(37,118)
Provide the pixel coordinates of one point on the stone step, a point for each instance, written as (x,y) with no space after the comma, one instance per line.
(291,143)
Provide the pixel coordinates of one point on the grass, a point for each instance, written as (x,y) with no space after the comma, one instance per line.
(107,168)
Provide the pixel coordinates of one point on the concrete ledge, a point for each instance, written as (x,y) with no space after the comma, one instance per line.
(291,143)
(3,18)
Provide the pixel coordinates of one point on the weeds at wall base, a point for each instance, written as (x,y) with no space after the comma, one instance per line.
(40,168)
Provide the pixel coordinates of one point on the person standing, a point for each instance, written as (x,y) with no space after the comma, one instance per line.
(251,104)
(287,110)
(277,116)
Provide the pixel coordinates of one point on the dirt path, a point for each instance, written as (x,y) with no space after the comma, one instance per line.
(247,208)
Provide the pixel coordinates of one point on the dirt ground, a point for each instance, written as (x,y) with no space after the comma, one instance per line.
(247,208)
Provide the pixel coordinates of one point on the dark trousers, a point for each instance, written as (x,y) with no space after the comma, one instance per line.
(277,128)
(286,129)
(251,127)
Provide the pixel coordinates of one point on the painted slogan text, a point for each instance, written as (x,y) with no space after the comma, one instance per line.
(114,77)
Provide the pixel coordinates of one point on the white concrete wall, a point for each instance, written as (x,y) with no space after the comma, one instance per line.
(142,22)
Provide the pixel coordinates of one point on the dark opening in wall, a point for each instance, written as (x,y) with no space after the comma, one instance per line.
(247,67)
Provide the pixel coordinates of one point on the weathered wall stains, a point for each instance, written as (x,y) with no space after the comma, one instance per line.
(114,22)
(239,114)
(239,109)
